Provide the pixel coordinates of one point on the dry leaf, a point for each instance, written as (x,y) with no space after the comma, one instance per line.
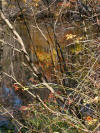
(23,108)
(70,36)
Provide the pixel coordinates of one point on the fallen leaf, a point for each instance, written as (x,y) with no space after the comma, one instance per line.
(23,108)
(16,88)
(70,36)
(88,118)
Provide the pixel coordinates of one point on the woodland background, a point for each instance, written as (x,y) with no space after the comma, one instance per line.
(50,66)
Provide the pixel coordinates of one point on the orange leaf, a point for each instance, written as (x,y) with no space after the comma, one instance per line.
(16,87)
(23,108)
(88,118)
(58,92)
(64,4)
(51,95)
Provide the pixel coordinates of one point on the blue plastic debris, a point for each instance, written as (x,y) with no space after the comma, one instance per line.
(6,125)
(3,121)
(7,91)
(17,102)
(11,96)
(87,110)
